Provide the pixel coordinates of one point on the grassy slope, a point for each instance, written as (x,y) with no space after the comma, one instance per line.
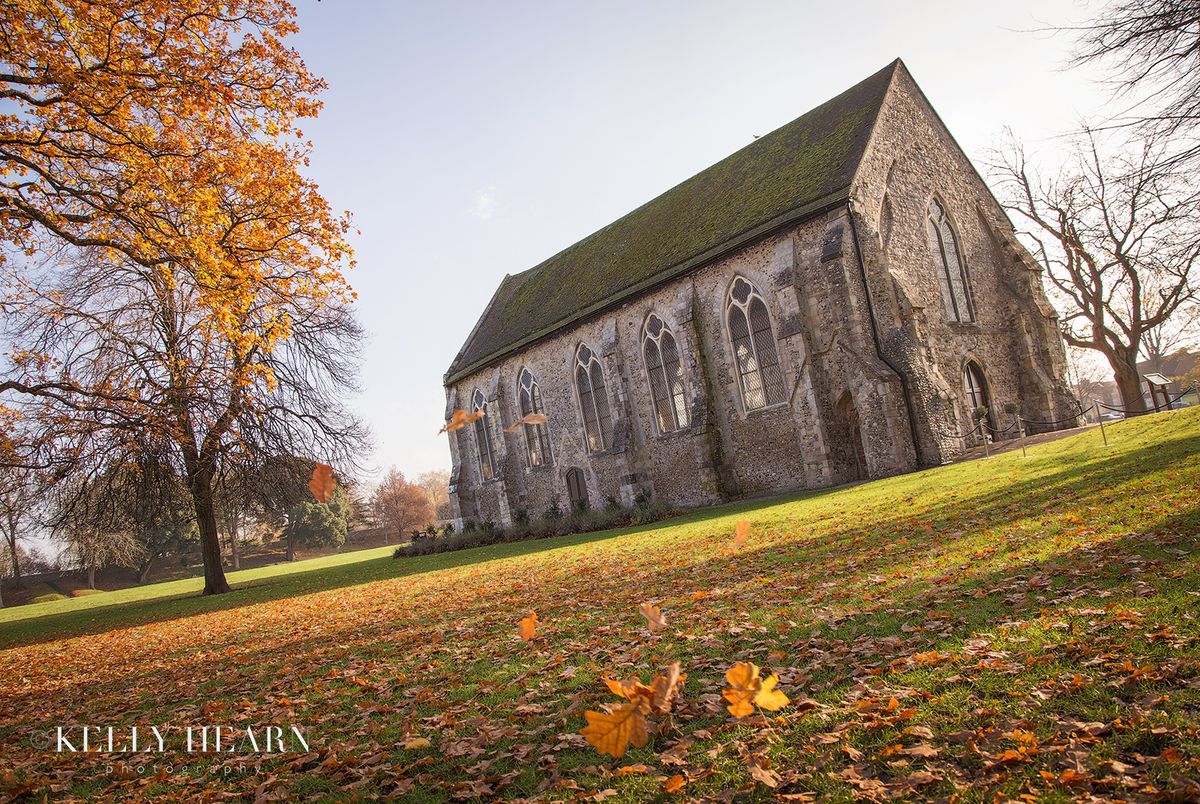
(1037,616)
(95,610)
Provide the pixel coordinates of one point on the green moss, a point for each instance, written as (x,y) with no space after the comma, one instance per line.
(800,168)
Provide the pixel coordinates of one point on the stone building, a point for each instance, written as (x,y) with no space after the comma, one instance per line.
(833,302)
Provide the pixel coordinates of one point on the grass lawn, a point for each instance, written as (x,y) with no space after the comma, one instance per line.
(93,611)
(1003,628)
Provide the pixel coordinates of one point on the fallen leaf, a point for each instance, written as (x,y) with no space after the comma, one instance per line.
(527,627)
(612,732)
(766,776)
(632,770)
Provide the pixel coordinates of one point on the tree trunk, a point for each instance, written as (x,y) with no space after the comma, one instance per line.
(1,593)
(200,484)
(291,543)
(1129,384)
(91,576)
(144,571)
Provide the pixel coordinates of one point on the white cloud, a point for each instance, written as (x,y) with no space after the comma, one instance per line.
(485,203)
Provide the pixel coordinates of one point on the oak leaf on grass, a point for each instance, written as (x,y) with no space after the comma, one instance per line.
(527,627)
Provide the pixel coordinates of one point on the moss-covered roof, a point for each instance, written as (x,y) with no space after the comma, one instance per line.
(798,169)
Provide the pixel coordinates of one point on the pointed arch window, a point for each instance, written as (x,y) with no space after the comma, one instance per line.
(593,399)
(976,387)
(661,353)
(760,374)
(483,442)
(952,272)
(537,439)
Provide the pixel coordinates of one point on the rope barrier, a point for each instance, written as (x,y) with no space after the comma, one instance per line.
(1155,409)
(1014,424)
(1076,417)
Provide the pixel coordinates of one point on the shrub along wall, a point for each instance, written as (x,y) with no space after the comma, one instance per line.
(555,522)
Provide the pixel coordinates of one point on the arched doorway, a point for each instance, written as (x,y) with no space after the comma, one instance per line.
(853,455)
(977,396)
(577,489)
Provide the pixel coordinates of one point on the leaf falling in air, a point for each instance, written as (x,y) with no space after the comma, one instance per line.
(655,620)
(612,732)
(741,533)
(460,419)
(527,627)
(322,484)
(769,697)
(747,690)
(528,418)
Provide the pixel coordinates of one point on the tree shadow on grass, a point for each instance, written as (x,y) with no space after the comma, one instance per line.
(993,510)
(978,610)
(1048,492)
(979,598)
(127,614)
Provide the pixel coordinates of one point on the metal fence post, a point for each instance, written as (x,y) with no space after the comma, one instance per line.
(1100,419)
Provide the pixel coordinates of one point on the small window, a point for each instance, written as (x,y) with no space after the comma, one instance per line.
(759,372)
(483,442)
(577,489)
(593,400)
(952,273)
(537,439)
(661,354)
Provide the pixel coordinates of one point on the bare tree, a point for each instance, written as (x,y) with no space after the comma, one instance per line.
(1150,50)
(17,500)
(96,549)
(168,272)
(1119,238)
(1181,332)
(126,357)
(1088,380)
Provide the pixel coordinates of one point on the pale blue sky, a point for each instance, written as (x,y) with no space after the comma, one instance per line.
(472,140)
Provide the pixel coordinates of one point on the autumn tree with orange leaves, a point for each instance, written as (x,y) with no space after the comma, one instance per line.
(401,504)
(168,274)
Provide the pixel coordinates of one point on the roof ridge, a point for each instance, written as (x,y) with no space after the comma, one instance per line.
(793,167)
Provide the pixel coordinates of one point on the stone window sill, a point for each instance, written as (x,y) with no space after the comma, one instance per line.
(602,452)
(772,408)
(676,435)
